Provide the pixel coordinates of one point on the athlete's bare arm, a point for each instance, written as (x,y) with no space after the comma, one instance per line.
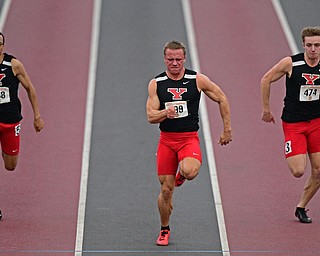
(20,72)
(283,67)
(214,92)
(154,115)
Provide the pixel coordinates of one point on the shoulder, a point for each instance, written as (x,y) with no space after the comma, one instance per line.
(202,80)
(204,83)
(152,85)
(17,67)
(16,64)
(284,65)
(286,61)
(281,68)
(152,81)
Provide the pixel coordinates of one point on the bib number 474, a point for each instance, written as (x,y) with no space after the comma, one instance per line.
(309,93)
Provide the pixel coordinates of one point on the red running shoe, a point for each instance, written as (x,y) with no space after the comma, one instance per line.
(163,239)
(179,180)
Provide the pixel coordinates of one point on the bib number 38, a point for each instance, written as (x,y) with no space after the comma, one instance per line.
(179,106)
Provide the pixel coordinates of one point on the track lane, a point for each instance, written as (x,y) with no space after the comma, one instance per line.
(40,198)
(121,214)
(259,195)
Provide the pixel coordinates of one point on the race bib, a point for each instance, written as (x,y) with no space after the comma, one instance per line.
(309,92)
(180,107)
(4,95)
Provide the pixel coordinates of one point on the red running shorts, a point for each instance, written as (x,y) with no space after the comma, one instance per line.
(301,137)
(173,147)
(10,138)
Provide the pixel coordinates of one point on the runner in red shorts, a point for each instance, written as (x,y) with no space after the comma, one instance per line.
(173,103)
(12,73)
(301,112)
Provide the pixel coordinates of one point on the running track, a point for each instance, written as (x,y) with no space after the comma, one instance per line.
(40,199)
(237,42)
(259,195)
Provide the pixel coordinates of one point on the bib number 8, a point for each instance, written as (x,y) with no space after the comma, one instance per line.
(4,95)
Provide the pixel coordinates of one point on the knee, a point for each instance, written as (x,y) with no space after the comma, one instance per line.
(191,174)
(190,168)
(10,168)
(166,194)
(10,165)
(10,162)
(297,172)
(297,165)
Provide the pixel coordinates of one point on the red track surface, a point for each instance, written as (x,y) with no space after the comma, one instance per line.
(237,42)
(40,199)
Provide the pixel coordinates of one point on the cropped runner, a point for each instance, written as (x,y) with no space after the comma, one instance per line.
(12,73)
(301,113)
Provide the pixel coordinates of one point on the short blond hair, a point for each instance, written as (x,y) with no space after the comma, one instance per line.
(174,45)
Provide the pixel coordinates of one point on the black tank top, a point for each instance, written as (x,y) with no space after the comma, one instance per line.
(184,91)
(10,106)
(301,102)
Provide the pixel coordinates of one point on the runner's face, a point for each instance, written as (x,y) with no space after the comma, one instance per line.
(312,47)
(174,60)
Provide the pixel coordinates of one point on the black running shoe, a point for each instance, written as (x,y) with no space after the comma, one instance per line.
(0,215)
(301,214)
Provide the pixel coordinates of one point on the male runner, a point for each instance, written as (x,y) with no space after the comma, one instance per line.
(12,73)
(173,102)
(301,112)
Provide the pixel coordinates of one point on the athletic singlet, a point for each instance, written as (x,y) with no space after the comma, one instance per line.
(184,95)
(10,105)
(301,102)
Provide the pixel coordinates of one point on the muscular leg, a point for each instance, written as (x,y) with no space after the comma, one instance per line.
(189,167)
(297,165)
(10,162)
(165,198)
(313,183)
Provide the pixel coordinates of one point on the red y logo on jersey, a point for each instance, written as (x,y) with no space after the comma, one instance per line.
(177,92)
(310,78)
(2,76)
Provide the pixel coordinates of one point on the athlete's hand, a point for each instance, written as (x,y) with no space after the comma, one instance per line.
(171,112)
(268,117)
(38,124)
(225,138)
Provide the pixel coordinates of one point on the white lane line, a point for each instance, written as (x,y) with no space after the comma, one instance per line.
(88,125)
(285,26)
(4,13)
(206,131)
